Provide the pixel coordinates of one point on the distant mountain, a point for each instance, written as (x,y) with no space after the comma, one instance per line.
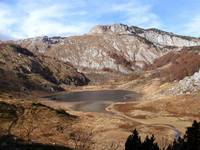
(156,36)
(21,70)
(115,47)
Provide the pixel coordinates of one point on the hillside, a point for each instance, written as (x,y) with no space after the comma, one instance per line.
(176,65)
(21,70)
(29,125)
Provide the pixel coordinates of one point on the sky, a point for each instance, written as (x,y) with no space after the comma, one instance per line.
(30,18)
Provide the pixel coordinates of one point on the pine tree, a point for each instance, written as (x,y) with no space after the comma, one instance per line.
(177,144)
(150,144)
(191,140)
(192,137)
(133,142)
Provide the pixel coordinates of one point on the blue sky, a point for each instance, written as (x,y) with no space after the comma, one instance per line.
(30,18)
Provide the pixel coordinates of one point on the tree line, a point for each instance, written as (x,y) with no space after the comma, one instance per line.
(190,141)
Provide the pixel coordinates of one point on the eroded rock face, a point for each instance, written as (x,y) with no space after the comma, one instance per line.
(94,51)
(115,47)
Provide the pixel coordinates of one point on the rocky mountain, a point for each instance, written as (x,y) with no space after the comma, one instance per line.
(20,69)
(115,47)
(123,53)
(156,36)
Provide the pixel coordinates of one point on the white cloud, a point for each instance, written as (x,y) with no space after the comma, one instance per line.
(193,26)
(29,18)
(33,28)
(49,21)
(6,21)
(138,14)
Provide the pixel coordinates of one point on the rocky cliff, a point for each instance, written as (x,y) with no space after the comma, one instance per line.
(115,47)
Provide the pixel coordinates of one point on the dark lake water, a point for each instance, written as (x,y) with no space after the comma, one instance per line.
(95,101)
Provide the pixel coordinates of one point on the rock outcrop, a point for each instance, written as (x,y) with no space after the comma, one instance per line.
(188,85)
(20,69)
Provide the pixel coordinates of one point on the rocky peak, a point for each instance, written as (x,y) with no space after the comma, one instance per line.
(115,28)
(156,36)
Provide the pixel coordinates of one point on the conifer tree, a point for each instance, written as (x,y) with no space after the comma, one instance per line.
(133,142)
(150,144)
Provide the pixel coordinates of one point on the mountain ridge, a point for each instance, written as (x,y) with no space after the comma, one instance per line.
(136,47)
(125,29)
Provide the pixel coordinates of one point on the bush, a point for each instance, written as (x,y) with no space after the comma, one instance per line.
(134,142)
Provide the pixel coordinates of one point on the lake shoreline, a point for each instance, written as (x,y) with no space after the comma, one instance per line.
(94,101)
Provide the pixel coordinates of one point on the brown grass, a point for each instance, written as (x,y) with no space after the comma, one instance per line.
(45,124)
(178,65)
(124,107)
(129,126)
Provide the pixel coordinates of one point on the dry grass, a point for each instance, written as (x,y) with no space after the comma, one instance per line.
(129,126)
(178,106)
(37,122)
(176,65)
